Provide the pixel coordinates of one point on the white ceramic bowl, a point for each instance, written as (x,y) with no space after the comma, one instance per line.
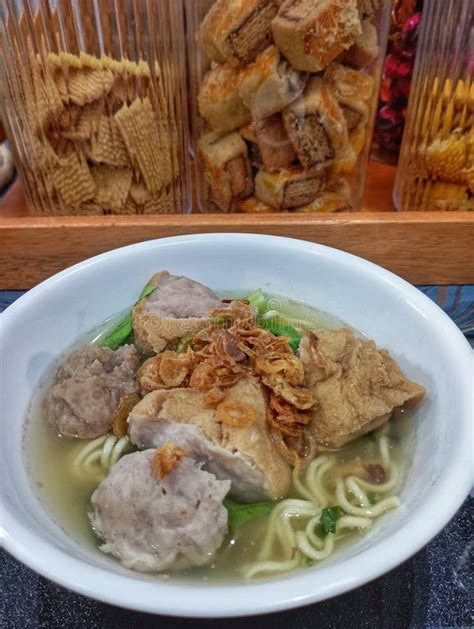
(428,346)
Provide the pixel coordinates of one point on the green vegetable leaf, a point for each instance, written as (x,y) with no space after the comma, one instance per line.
(120,334)
(327,521)
(373,498)
(273,323)
(370,436)
(239,513)
(283,330)
(184,343)
(308,562)
(259,301)
(147,291)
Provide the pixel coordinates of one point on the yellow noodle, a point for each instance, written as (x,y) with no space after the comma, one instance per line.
(97,456)
(269,567)
(353,522)
(283,536)
(311,535)
(384,505)
(118,450)
(307,549)
(85,451)
(106,450)
(94,457)
(357,492)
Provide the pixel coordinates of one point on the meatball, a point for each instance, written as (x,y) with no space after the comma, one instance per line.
(87,390)
(179,306)
(167,524)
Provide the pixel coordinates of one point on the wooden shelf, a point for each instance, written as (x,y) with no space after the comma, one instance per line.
(424,248)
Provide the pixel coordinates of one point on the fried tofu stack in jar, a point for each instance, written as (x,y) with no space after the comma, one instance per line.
(286,103)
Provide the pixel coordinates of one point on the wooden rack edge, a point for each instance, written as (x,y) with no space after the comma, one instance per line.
(424,248)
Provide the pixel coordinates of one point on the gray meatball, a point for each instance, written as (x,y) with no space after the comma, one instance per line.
(87,390)
(152,525)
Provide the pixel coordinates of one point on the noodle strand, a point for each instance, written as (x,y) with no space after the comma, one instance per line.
(296,522)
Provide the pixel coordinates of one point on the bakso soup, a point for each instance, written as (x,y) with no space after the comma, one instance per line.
(244,435)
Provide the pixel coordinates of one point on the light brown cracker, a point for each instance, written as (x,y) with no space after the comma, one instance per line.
(87,124)
(162,203)
(129,208)
(88,84)
(139,192)
(108,147)
(146,143)
(112,186)
(42,98)
(73,180)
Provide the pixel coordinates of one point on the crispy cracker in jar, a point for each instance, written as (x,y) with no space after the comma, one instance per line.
(112,186)
(448,196)
(72,180)
(41,154)
(42,97)
(139,192)
(162,203)
(447,159)
(108,147)
(144,142)
(86,85)
(129,208)
(86,125)
(61,145)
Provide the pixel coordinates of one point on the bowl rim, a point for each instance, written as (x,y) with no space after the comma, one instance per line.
(238,599)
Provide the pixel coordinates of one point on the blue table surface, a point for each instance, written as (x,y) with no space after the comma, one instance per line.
(435,588)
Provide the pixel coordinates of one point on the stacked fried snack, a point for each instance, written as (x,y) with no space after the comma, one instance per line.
(101,138)
(441,165)
(286,102)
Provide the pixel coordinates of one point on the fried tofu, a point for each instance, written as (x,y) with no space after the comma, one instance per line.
(246,455)
(357,386)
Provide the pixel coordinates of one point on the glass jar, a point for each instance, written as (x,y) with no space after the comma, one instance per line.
(436,169)
(284,98)
(396,80)
(93,98)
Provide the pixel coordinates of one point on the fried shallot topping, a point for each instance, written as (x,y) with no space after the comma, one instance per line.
(148,375)
(121,413)
(231,348)
(236,414)
(174,368)
(167,370)
(165,459)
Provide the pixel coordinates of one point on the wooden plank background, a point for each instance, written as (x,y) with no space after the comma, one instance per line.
(424,248)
